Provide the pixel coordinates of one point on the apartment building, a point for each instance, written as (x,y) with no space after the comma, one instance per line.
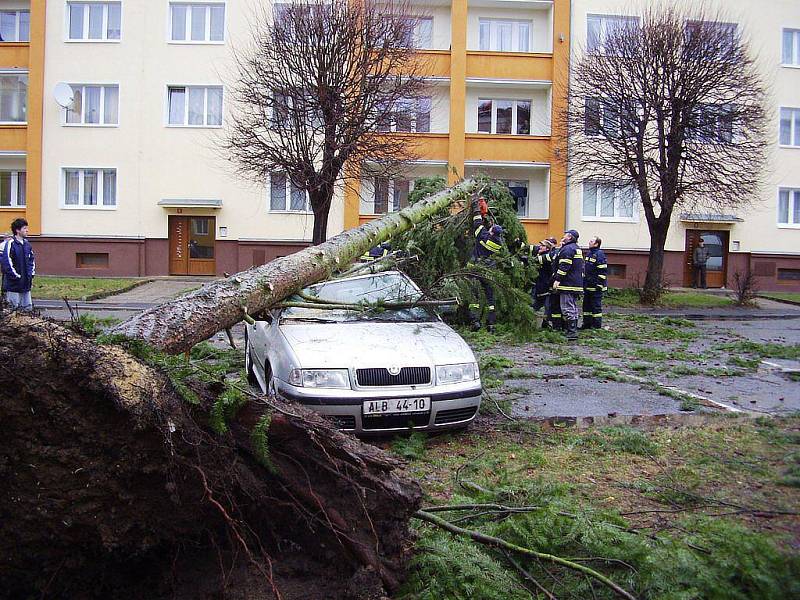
(133,183)
(21,70)
(764,238)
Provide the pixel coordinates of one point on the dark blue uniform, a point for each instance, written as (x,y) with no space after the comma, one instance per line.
(595,282)
(569,275)
(487,247)
(376,252)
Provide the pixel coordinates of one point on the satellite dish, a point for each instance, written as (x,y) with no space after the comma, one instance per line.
(64,95)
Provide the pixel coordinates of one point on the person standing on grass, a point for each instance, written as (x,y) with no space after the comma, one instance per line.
(699,260)
(568,281)
(18,266)
(595,283)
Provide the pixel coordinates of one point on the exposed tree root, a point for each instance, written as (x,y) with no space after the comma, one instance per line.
(113,486)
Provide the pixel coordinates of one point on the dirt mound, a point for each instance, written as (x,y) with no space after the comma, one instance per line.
(112,487)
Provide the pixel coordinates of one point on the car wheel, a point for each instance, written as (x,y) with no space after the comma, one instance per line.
(248,362)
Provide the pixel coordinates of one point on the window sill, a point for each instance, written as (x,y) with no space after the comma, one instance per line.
(81,207)
(14,44)
(788,225)
(495,53)
(169,126)
(13,124)
(69,41)
(790,66)
(23,207)
(506,136)
(788,147)
(608,220)
(543,220)
(194,43)
(92,125)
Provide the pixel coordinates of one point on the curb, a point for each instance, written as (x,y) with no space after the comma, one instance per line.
(781,300)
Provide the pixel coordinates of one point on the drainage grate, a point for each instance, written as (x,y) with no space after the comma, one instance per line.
(395,421)
(454,415)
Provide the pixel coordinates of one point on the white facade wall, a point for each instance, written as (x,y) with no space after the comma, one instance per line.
(153,161)
(762,24)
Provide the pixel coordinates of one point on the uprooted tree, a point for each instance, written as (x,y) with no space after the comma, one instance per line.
(130,472)
(666,112)
(116,484)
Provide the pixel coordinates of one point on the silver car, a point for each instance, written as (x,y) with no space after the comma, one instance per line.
(371,372)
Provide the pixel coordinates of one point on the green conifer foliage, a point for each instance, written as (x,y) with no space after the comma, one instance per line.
(444,246)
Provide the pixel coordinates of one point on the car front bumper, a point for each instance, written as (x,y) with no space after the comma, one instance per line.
(451,406)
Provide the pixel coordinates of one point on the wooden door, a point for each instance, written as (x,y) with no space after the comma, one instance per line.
(717,266)
(192,245)
(178,246)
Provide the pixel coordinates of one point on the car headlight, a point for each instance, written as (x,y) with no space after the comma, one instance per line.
(456,373)
(320,378)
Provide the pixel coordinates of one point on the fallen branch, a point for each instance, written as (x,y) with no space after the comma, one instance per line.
(528,576)
(496,542)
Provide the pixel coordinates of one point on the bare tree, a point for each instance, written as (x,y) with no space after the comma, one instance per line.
(667,110)
(316,90)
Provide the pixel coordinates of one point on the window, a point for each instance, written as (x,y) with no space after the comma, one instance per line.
(201,23)
(601,27)
(602,118)
(726,31)
(617,271)
(90,188)
(505,35)
(519,189)
(390,195)
(609,201)
(94,105)
(91,260)
(504,116)
(712,124)
(788,274)
(790,127)
(789,207)
(408,116)
(283,191)
(12,188)
(15,26)
(420,33)
(195,106)
(94,21)
(791,48)
(13,98)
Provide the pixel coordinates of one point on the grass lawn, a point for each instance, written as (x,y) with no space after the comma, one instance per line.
(792,296)
(77,288)
(629,298)
(697,512)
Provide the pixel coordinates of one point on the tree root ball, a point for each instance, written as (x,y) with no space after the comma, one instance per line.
(114,487)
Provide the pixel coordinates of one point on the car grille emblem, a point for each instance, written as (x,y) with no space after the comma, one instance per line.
(394,370)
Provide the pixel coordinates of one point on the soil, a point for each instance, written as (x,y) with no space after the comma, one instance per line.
(113,488)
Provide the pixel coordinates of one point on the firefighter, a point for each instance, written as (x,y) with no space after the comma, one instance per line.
(568,281)
(488,243)
(553,307)
(595,282)
(541,255)
(376,253)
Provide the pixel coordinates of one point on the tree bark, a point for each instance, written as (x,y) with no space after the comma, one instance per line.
(179,324)
(654,278)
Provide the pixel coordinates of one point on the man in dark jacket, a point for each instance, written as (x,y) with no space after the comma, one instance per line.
(568,281)
(488,243)
(595,282)
(18,266)
(699,260)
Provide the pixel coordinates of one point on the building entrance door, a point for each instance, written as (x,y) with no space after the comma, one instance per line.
(717,266)
(191,245)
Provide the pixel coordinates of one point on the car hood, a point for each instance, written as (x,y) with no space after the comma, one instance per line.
(371,344)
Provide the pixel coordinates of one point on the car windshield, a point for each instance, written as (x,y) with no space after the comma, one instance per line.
(386,287)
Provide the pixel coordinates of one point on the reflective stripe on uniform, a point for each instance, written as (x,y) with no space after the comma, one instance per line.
(602,266)
(565,260)
(569,288)
(474,306)
(491,307)
(494,246)
(560,272)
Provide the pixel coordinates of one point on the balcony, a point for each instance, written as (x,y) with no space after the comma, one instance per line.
(379,195)
(513,26)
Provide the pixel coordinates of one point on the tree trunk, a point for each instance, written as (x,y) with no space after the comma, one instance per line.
(179,324)
(320,230)
(114,488)
(654,279)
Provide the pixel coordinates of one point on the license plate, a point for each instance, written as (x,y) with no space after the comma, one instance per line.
(396,406)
